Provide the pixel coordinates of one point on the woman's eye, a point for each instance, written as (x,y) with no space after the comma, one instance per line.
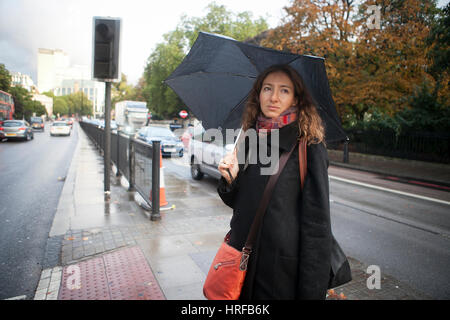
(266,88)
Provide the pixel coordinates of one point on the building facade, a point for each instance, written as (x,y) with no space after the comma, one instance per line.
(24,80)
(46,101)
(93,90)
(56,74)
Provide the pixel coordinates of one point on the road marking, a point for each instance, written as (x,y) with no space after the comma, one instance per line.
(394,219)
(389,190)
(18,298)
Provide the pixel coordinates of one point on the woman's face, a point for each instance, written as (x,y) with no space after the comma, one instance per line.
(277,94)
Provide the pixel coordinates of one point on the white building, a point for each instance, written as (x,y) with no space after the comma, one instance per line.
(24,80)
(50,68)
(46,101)
(57,75)
(93,90)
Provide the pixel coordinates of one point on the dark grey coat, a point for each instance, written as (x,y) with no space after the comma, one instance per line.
(291,259)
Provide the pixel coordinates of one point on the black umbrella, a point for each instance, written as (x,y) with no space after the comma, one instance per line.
(216,76)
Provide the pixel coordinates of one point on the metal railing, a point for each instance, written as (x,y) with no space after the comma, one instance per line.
(423,146)
(137,161)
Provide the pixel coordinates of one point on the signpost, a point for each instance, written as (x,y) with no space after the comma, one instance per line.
(183,114)
(105,67)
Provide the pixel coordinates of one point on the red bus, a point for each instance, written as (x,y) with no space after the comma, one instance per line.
(6,106)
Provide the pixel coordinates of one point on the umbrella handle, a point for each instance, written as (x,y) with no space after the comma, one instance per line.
(229,173)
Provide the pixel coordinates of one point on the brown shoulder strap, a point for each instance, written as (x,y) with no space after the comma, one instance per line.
(265,200)
(302,160)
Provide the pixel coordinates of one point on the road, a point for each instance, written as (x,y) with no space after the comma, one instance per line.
(407,236)
(393,225)
(32,176)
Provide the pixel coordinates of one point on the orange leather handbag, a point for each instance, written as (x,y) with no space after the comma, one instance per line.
(227,272)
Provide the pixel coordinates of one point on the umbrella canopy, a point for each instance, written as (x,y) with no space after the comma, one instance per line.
(216,76)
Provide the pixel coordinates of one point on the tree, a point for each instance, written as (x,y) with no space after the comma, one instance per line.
(369,69)
(60,106)
(122,91)
(438,41)
(164,59)
(5,78)
(168,54)
(324,28)
(24,105)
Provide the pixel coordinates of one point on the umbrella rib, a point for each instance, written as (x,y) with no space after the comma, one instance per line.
(224,73)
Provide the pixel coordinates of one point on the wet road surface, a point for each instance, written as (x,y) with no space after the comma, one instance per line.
(32,177)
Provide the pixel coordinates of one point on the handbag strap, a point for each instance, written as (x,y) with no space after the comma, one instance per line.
(266,197)
(302,160)
(265,200)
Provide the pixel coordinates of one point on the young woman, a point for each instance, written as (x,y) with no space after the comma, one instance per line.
(291,257)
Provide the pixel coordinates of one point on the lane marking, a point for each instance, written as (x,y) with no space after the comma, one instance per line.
(399,220)
(390,190)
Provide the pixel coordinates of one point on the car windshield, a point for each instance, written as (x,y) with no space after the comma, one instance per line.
(160,132)
(59,124)
(36,120)
(12,124)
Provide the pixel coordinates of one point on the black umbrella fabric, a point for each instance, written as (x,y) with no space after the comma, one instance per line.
(216,76)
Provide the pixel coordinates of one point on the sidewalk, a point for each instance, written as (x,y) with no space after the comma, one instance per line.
(101,249)
(437,173)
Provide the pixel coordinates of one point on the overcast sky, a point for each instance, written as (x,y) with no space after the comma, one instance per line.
(27,25)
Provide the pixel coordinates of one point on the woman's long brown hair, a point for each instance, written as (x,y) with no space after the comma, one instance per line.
(309,121)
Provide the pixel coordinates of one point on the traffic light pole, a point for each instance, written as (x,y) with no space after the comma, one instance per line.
(107,142)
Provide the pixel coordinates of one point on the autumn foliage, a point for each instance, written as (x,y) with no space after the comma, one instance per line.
(372,67)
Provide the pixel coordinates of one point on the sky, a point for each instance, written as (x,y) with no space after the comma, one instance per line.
(27,25)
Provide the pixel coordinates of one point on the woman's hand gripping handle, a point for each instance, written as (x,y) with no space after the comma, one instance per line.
(229,167)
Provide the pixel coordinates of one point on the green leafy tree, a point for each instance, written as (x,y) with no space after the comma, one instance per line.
(60,106)
(167,55)
(122,90)
(37,108)
(24,105)
(22,100)
(5,78)
(438,41)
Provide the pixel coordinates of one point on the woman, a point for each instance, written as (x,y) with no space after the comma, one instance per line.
(291,257)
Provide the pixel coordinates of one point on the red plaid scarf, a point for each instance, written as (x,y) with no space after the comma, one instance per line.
(264,125)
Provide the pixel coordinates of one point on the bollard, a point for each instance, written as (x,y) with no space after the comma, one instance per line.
(346,150)
(156,146)
(118,174)
(131,161)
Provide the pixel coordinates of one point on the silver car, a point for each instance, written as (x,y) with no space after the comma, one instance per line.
(17,129)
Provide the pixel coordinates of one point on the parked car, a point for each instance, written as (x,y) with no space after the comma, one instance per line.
(17,129)
(37,123)
(59,128)
(205,154)
(113,125)
(170,144)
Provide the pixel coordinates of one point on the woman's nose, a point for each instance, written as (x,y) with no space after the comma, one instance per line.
(274,96)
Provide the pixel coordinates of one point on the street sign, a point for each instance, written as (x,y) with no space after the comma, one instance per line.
(183,114)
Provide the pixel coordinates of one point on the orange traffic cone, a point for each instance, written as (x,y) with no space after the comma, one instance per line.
(162,186)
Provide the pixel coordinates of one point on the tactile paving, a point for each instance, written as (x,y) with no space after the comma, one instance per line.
(130,277)
(92,284)
(120,275)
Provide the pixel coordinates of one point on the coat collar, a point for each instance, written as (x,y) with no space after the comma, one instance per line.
(288,137)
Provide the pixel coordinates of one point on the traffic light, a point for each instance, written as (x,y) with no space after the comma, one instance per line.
(106,48)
